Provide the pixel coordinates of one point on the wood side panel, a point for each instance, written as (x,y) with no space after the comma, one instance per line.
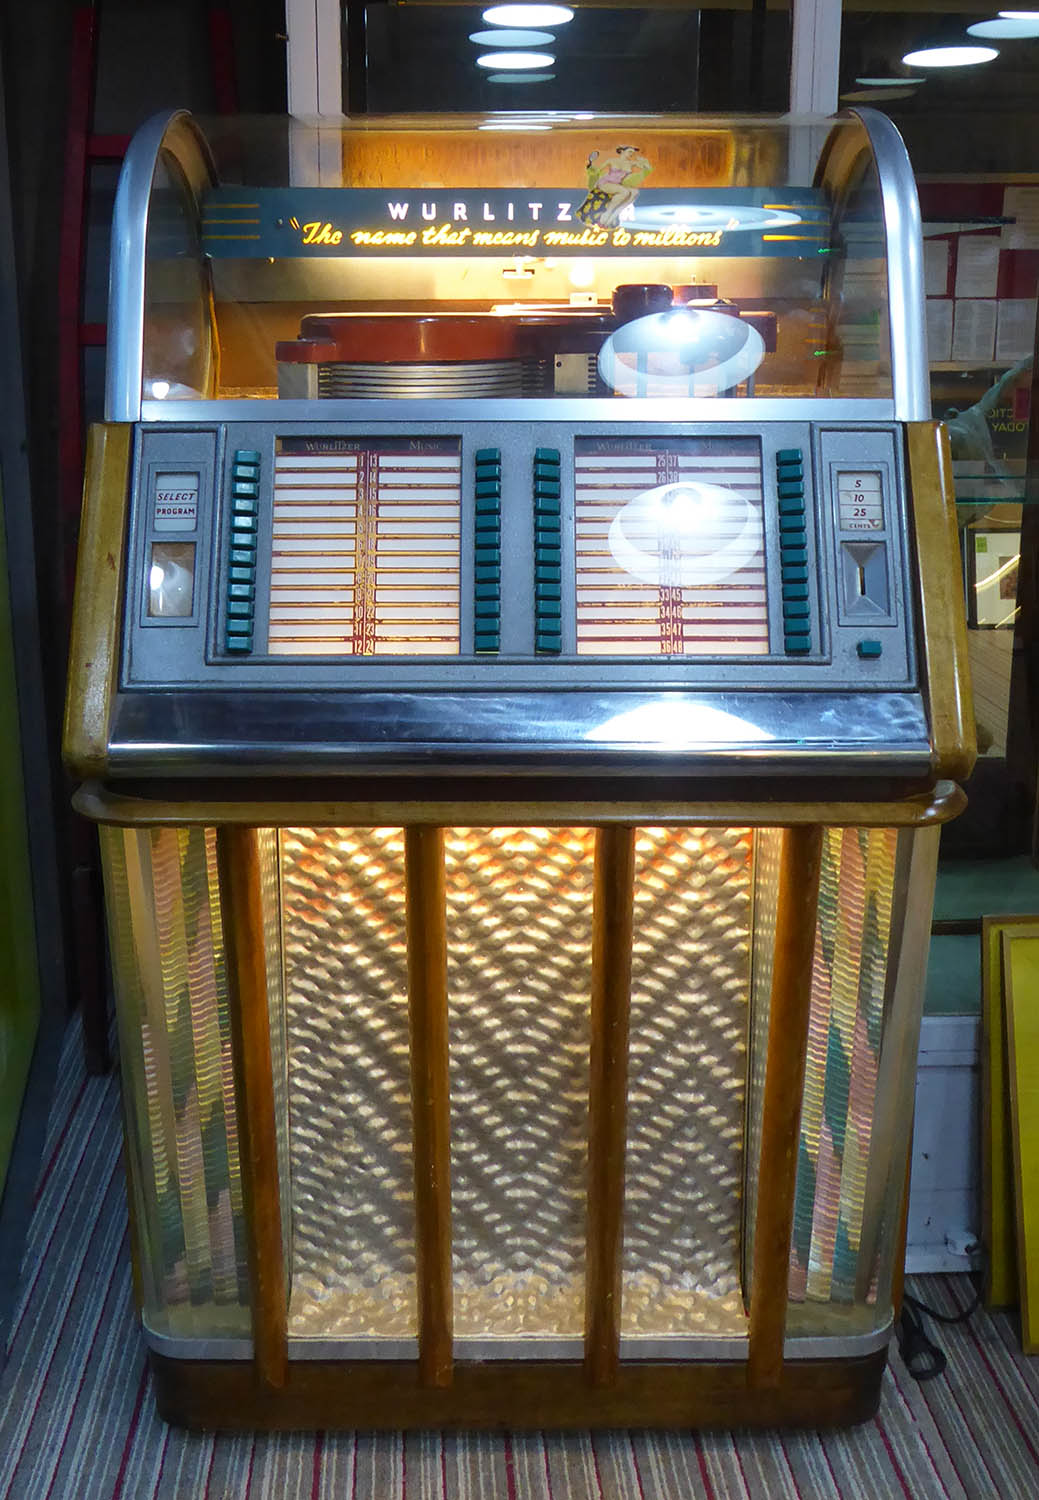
(612,924)
(238,867)
(796,904)
(98,606)
(430,1097)
(943,622)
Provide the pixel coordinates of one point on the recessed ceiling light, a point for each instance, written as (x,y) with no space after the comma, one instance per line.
(515,60)
(520,77)
(949,57)
(888,83)
(528,15)
(503,38)
(1006,27)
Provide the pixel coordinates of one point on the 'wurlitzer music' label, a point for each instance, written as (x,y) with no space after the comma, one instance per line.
(176,502)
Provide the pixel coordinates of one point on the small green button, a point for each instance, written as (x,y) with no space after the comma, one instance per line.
(548,641)
(487,591)
(795,591)
(243,553)
(547,505)
(545,574)
(243,526)
(488,556)
(490,523)
(488,455)
(550,556)
(487,609)
(546,538)
(869,650)
(792,524)
(794,609)
(789,456)
(548,609)
(547,591)
(487,641)
(547,489)
(488,489)
(790,469)
(244,489)
(546,456)
(242,575)
(246,456)
(792,505)
(794,574)
(239,642)
(242,591)
(239,609)
(790,489)
(797,645)
(488,505)
(486,573)
(792,551)
(488,469)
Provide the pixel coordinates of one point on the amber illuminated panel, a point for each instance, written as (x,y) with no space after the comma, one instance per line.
(366,547)
(687,1066)
(670,547)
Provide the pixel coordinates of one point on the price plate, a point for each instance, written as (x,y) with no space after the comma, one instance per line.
(860,501)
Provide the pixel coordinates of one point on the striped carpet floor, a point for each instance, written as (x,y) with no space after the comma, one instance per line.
(77,1419)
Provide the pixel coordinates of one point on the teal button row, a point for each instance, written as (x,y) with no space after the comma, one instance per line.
(487,552)
(797,639)
(241,568)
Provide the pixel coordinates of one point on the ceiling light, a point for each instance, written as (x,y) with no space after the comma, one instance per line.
(528,15)
(520,77)
(511,38)
(1006,27)
(515,60)
(888,83)
(949,57)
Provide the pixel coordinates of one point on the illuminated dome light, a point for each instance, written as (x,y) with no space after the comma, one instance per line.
(527,15)
(518,124)
(949,57)
(1019,15)
(511,38)
(685,352)
(515,60)
(160,389)
(1007,28)
(520,77)
(685,535)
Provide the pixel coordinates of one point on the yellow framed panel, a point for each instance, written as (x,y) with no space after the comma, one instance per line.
(1021,999)
(997,1168)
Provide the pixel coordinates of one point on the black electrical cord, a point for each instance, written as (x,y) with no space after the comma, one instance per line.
(922,1358)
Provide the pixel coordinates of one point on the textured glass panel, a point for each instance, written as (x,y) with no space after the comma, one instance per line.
(270,895)
(519,945)
(687,1081)
(768,843)
(353,1261)
(175,1052)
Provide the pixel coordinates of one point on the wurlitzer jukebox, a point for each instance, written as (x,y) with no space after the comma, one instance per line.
(518,676)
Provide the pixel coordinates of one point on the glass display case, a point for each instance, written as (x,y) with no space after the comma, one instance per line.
(519,673)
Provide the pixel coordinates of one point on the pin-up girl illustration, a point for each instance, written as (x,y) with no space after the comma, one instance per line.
(613,183)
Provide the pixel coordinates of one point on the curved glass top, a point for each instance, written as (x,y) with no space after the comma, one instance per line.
(556,257)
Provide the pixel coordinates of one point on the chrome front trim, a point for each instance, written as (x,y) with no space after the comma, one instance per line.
(910,381)
(840,1346)
(541,732)
(745,410)
(176,133)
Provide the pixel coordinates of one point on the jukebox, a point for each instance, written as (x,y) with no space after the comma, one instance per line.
(518,677)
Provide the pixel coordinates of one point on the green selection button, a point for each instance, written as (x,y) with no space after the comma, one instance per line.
(486,641)
(797,645)
(789,456)
(869,650)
